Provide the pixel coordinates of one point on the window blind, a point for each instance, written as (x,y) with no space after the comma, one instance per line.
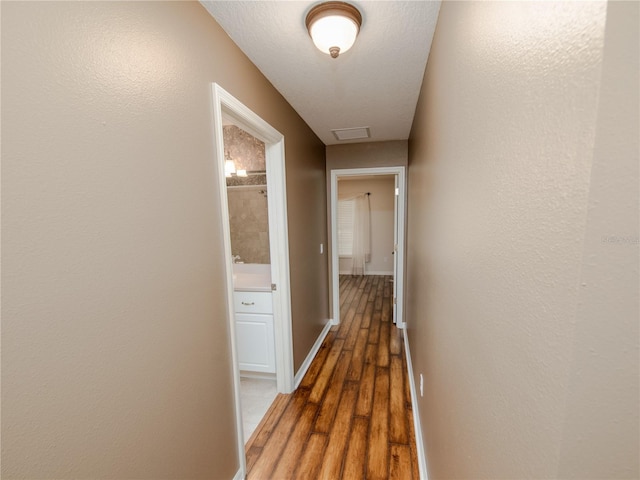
(346,210)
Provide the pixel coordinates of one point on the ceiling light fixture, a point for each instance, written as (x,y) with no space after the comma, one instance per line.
(333,26)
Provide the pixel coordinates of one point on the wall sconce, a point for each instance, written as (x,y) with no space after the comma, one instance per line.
(333,26)
(229,168)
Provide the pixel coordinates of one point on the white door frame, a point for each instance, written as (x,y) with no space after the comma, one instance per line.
(396,264)
(400,171)
(224,104)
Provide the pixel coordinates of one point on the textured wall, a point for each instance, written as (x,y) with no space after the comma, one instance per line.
(523,323)
(601,437)
(115,359)
(367,155)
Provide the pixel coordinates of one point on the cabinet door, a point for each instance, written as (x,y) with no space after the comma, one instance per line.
(255,341)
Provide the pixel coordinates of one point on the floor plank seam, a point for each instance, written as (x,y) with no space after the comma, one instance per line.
(358,363)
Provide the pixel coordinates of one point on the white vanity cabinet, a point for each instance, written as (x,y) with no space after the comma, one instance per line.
(254,331)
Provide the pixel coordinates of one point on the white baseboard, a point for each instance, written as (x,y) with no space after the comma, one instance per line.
(422,459)
(239,475)
(257,375)
(372,272)
(312,354)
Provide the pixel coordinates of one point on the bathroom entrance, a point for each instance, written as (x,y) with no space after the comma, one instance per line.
(247,194)
(250,169)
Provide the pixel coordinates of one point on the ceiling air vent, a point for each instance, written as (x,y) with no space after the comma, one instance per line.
(351,133)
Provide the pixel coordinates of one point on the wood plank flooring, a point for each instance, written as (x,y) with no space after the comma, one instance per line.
(351,416)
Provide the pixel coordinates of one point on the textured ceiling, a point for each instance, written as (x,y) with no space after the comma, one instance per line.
(375,84)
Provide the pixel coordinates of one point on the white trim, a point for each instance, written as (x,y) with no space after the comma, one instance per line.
(372,272)
(239,475)
(422,458)
(224,104)
(257,375)
(312,353)
(400,171)
(279,251)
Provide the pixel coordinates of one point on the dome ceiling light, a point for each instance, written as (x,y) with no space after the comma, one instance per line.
(333,26)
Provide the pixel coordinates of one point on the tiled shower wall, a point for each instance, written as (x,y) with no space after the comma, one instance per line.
(249,223)
(248,214)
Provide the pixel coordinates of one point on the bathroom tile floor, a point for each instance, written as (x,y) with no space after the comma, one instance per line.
(256,396)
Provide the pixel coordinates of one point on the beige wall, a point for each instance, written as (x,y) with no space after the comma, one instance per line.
(602,402)
(522,319)
(115,359)
(360,155)
(367,155)
(382,225)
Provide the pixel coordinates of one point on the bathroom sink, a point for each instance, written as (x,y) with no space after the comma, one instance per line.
(251,277)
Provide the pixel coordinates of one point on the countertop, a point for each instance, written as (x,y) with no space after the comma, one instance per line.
(251,277)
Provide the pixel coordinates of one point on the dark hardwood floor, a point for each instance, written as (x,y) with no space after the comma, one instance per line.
(351,416)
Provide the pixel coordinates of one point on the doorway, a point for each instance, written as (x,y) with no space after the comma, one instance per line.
(396,252)
(251,307)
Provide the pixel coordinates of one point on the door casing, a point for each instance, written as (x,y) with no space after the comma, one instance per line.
(225,105)
(399,225)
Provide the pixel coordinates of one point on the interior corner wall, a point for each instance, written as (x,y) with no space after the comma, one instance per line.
(601,431)
(522,288)
(115,354)
(392,153)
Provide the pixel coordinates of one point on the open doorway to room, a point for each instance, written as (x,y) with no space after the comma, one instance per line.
(247,192)
(367,228)
(249,161)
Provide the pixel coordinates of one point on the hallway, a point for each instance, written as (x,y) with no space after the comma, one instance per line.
(520,150)
(351,416)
